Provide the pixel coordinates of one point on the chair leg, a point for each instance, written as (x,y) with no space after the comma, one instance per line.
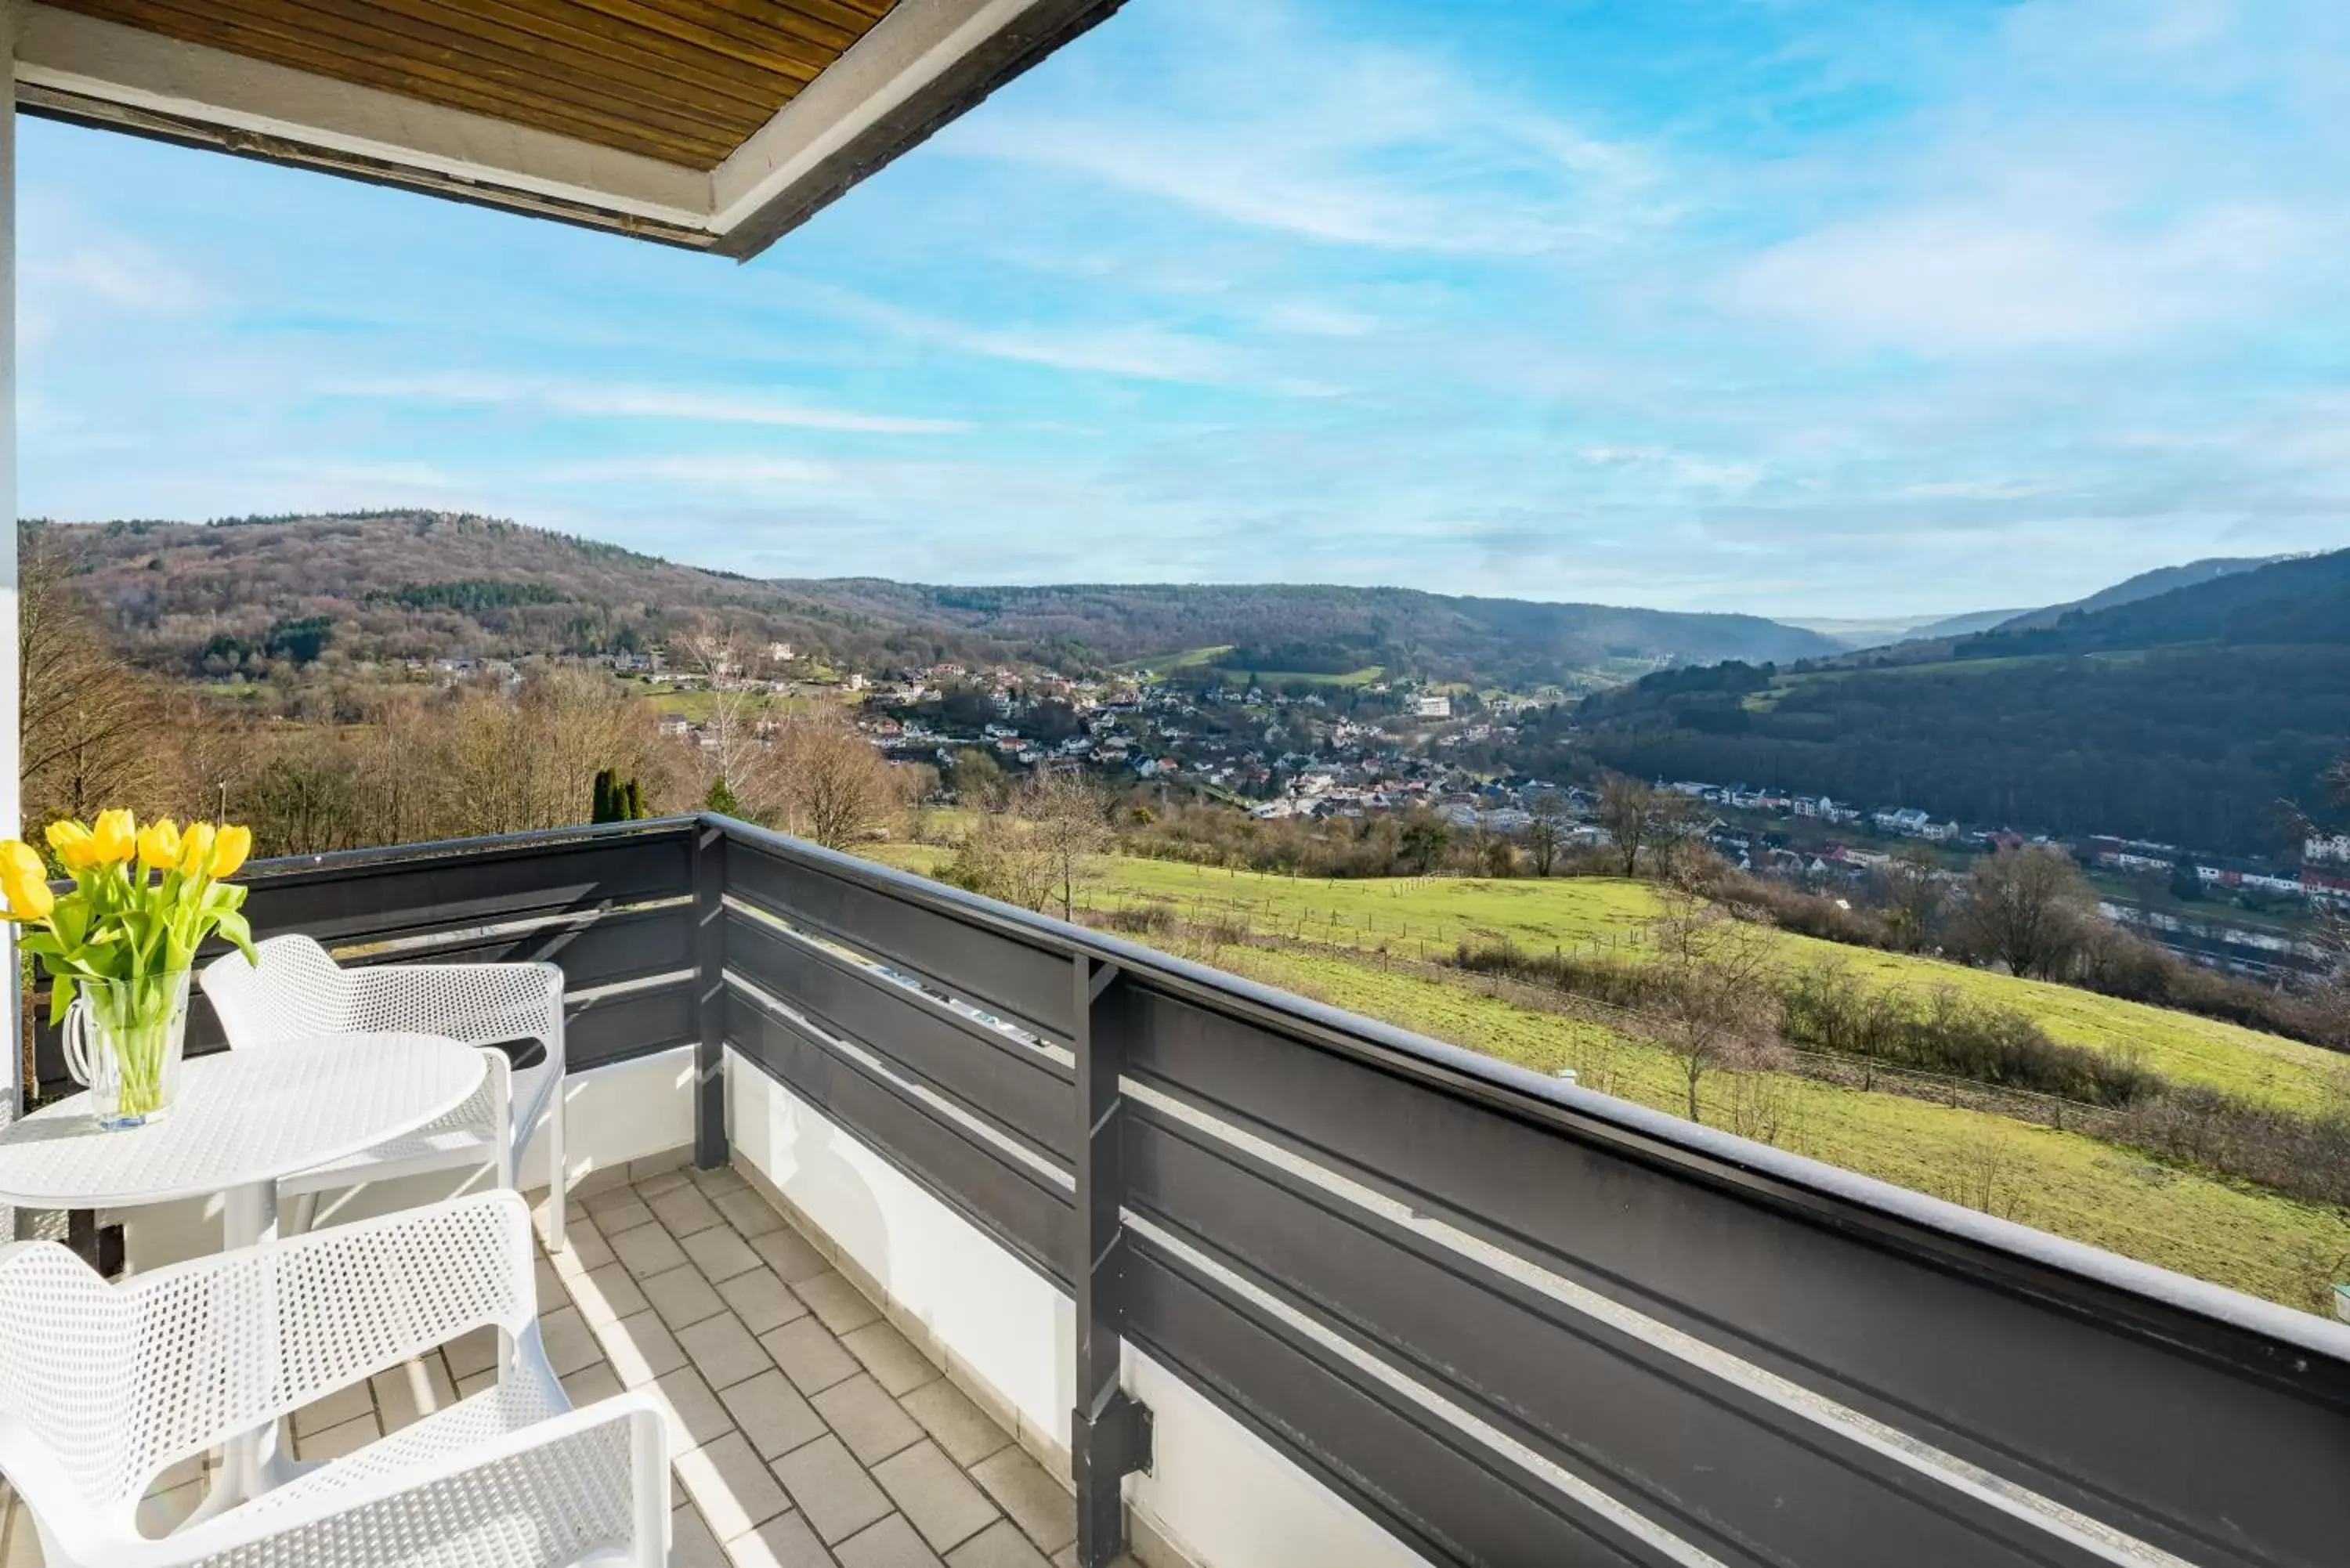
(648,1466)
(501,1126)
(557,1171)
(296,1219)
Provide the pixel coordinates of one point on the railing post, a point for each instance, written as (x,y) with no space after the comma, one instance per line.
(1109,1433)
(710,992)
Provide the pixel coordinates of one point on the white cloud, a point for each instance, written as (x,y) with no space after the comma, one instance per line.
(1955,281)
(721,470)
(67,289)
(612,400)
(1142,350)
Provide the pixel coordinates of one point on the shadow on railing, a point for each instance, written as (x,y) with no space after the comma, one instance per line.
(1511,1321)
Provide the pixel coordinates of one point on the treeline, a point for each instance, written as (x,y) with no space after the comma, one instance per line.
(1390,845)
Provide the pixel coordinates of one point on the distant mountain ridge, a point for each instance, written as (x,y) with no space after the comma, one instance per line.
(190,598)
(1861,634)
(2144,585)
(1328,629)
(2185,716)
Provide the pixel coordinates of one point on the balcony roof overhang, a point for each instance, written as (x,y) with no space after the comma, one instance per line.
(716,125)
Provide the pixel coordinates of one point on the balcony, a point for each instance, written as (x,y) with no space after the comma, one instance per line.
(953,1233)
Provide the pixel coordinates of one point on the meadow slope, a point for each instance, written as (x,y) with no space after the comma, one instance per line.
(1427,916)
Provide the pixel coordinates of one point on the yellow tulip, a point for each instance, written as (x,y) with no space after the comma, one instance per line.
(72,842)
(196,847)
(114,836)
(230,848)
(25,881)
(158,845)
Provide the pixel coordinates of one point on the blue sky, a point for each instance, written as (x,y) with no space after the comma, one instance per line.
(1804,308)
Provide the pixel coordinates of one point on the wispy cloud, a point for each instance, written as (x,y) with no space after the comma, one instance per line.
(1991,280)
(1256,116)
(620,400)
(1139,349)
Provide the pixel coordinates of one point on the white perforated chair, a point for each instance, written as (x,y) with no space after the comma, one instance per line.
(104,1385)
(297,993)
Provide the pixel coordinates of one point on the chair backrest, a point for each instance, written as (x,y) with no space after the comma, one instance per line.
(296,991)
(114,1382)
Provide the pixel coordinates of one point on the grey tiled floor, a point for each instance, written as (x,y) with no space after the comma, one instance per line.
(805,1431)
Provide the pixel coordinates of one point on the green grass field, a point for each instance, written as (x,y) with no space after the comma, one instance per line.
(697,705)
(1430,915)
(2099,1193)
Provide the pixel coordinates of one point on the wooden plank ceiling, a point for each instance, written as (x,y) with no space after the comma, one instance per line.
(683,81)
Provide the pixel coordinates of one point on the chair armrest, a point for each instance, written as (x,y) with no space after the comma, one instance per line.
(539,1497)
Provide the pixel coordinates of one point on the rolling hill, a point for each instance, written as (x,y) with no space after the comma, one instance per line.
(1864,633)
(190,598)
(2187,716)
(2130,590)
(1330,631)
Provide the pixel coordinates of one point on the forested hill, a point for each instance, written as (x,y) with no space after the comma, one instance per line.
(203,598)
(1330,631)
(2144,585)
(2187,717)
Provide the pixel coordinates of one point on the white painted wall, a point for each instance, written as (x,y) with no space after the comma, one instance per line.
(630,1110)
(1217,1495)
(1009,1325)
(11,748)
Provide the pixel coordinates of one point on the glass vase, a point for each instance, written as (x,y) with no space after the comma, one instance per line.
(124,1039)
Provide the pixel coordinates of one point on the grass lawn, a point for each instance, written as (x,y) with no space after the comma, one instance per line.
(696,706)
(1429,916)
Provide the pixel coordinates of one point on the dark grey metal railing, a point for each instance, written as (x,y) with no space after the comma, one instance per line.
(1514,1322)
(611,904)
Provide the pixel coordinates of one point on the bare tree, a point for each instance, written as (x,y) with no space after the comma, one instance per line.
(836,788)
(999,857)
(979,780)
(1715,998)
(1913,898)
(90,733)
(1545,834)
(731,746)
(472,761)
(1640,816)
(1069,819)
(2027,908)
(1979,1167)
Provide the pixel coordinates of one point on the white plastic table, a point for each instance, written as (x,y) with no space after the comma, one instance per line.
(241,1119)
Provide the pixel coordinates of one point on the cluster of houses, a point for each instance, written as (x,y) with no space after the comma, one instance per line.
(1893,821)
(1238,739)
(2322,877)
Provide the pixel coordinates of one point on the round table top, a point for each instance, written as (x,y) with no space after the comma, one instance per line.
(242,1117)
